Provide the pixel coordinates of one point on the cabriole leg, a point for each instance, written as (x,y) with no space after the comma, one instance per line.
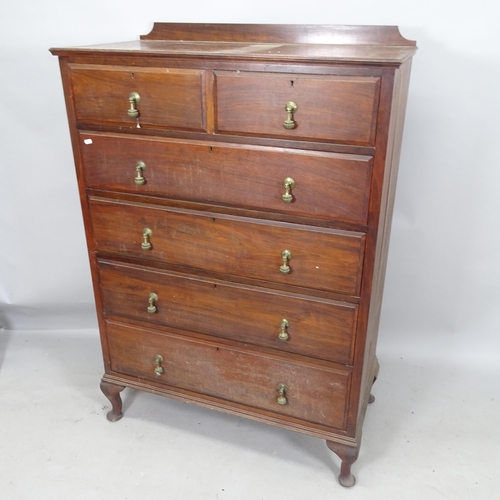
(371,399)
(112,392)
(348,455)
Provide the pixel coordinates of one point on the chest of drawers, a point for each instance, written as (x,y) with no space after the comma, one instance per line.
(237,185)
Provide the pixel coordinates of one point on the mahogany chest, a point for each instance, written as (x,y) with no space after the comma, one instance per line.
(237,187)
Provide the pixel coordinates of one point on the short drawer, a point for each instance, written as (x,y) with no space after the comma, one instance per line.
(341,109)
(325,185)
(319,328)
(316,394)
(170,98)
(291,254)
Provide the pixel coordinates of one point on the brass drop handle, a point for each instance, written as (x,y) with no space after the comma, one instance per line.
(288,184)
(146,234)
(282,389)
(158,361)
(283,335)
(133,99)
(290,108)
(152,299)
(286,255)
(140,166)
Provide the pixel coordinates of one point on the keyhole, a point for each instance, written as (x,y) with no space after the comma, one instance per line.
(132,75)
(291,82)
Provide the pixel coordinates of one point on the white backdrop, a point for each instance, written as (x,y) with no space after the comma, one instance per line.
(443,283)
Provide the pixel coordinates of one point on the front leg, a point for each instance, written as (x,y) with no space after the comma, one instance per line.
(112,392)
(348,455)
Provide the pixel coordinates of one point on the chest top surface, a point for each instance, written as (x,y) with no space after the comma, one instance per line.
(292,43)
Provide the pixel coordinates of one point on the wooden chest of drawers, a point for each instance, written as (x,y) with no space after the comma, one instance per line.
(237,185)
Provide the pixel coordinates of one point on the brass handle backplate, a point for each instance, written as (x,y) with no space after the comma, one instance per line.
(158,361)
(283,335)
(282,389)
(133,99)
(152,299)
(290,108)
(288,184)
(146,234)
(286,255)
(139,169)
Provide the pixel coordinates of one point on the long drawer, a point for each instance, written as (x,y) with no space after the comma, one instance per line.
(316,394)
(325,185)
(319,328)
(171,98)
(331,108)
(290,254)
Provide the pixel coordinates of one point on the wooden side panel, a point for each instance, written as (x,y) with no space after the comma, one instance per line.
(388,189)
(314,394)
(332,108)
(321,258)
(318,328)
(170,98)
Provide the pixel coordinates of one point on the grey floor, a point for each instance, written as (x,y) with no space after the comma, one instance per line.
(432,433)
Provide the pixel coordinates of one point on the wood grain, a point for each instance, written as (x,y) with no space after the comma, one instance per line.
(319,328)
(283,33)
(332,108)
(315,394)
(169,97)
(321,258)
(328,186)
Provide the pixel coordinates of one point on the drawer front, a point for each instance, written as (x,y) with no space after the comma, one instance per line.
(323,259)
(326,185)
(314,394)
(313,327)
(171,98)
(332,108)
